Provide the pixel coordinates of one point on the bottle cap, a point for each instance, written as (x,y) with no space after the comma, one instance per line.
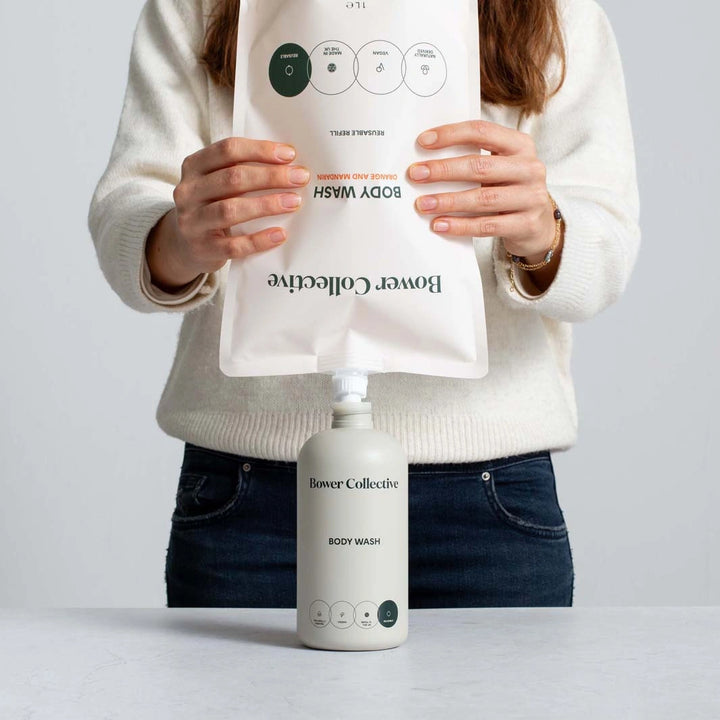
(350,385)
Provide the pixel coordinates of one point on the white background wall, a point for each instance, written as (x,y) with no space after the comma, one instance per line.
(87,480)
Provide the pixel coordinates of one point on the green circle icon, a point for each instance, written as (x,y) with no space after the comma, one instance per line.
(388,613)
(290,70)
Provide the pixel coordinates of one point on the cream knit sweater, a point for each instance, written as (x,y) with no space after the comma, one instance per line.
(525,403)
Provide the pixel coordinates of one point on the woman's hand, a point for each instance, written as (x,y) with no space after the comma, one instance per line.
(513,201)
(194,237)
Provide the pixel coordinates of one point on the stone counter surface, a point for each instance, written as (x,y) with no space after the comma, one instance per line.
(213,664)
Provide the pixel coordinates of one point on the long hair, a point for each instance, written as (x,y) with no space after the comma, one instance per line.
(517,40)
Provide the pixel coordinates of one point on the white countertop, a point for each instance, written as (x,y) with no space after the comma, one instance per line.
(213,664)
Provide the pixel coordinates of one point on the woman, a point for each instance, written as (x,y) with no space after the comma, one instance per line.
(486,528)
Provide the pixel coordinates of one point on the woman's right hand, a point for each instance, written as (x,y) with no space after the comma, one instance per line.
(194,237)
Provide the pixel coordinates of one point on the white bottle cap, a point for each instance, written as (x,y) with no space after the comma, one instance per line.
(350,384)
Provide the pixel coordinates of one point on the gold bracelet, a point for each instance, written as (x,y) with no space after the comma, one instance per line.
(518,260)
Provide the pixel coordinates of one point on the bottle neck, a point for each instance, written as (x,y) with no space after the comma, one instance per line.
(352,415)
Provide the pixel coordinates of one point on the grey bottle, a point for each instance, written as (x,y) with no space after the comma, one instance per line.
(352,530)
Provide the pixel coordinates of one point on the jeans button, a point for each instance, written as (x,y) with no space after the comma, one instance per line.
(486,476)
(246,467)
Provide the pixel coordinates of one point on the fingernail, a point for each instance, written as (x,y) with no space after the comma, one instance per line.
(289,200)
(441,226)
(428,138)
(277,236)
(427,203)
(419,172)
(299,176)
(284,152)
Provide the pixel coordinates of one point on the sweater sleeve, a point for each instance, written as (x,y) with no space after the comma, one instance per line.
(584,137)
(164,118)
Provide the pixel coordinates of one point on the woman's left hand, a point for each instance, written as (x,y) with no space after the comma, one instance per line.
(513,202)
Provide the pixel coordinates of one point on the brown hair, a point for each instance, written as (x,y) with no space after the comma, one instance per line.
(517,40)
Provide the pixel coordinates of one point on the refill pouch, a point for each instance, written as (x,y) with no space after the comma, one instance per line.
(361,281)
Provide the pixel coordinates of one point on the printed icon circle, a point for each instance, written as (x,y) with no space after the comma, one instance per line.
(388,613)
(334,63)
(380,67)
(366,614)
(342,614)
(425,69)
(319,613)
(289,70)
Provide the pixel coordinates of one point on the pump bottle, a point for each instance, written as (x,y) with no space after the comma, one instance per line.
(352,529)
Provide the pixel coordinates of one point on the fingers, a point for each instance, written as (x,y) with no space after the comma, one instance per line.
(512,224)
(233,150)
(490,199)
(224,214)
(210,198)
(486,169)
(238,179)
(240,246)
(487,135)
(510,200)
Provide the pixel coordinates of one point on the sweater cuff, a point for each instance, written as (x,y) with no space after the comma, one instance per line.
(181,295)
(136,277)
(565,298)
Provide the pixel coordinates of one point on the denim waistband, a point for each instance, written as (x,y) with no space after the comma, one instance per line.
(473,467)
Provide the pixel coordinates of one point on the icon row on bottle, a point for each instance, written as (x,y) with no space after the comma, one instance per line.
(343,614)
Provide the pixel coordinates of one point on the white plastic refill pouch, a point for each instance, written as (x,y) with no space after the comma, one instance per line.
(362,281)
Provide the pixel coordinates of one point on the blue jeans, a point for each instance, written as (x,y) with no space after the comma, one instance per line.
(481,534)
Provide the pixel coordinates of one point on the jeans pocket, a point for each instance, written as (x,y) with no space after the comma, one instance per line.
(211,486)
(522,494)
